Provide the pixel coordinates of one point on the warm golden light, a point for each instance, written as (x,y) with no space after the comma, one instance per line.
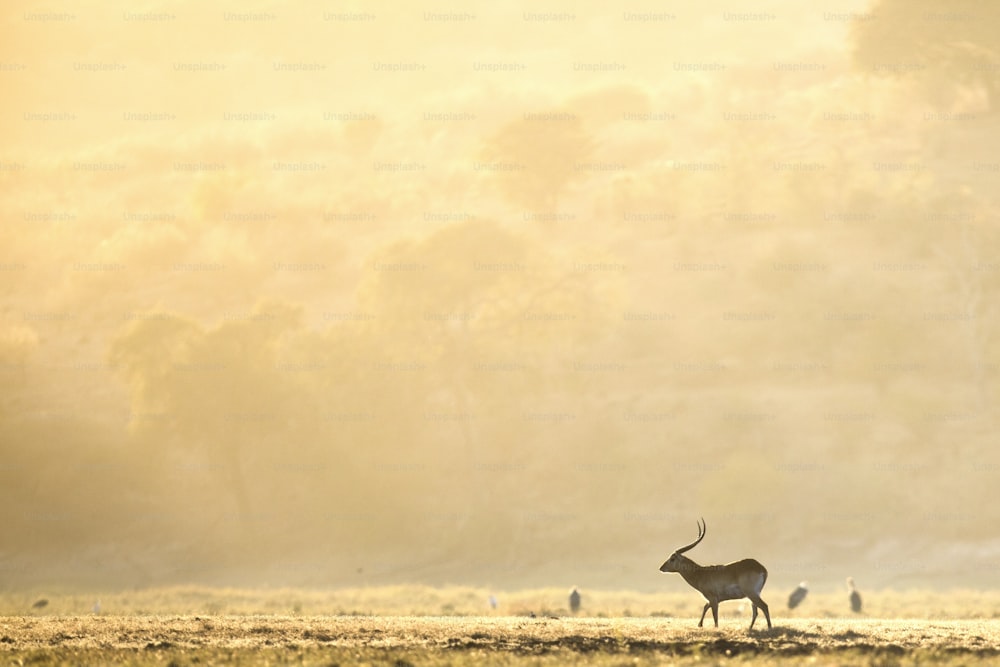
(498,294)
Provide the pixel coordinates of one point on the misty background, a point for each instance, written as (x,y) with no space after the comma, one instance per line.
(344,294)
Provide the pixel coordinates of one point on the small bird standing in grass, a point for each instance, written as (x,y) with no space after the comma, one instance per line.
(854,596)
(797,596)
(574,600)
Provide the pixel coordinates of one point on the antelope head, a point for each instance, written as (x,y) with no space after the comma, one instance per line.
(679,562)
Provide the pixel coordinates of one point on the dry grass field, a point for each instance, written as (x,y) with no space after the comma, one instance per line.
(197,626)
(436,640)
(828,602)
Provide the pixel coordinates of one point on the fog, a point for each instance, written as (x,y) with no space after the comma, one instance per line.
(349,294)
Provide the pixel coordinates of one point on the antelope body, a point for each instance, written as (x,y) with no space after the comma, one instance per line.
(717,583)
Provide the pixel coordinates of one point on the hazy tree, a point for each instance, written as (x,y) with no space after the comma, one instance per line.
(376,424)
(539,157)
(217,391)
(491,320)
(475,293)
(968,254)
(16,345)
(940,42)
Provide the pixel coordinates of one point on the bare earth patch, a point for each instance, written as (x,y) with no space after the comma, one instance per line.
(404,640)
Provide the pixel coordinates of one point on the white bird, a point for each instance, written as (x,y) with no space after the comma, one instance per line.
(96,608)
(493,601)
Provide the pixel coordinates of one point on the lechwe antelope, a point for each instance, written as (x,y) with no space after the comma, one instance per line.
(717,583)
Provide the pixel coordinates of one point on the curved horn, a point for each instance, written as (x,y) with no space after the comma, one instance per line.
(701,536)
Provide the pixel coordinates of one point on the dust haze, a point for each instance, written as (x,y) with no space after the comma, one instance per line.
(498,294)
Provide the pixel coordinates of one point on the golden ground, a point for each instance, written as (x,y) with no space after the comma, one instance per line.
(421,625)
(398,640)
(679,602)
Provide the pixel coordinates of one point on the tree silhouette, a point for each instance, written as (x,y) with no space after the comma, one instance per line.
(475,293)
(216,391)
(540,157)
(494,320)
(939,42)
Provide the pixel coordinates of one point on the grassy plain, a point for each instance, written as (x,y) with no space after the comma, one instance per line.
(829,601)
(427,626)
